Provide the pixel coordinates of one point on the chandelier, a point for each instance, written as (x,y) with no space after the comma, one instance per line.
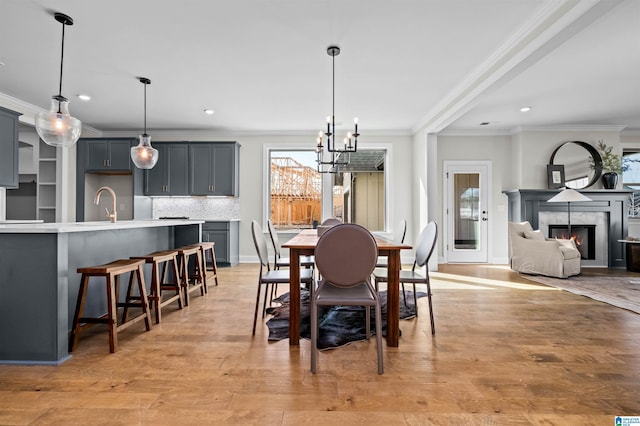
(335,150)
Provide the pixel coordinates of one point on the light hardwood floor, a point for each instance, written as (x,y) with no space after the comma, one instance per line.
(507,351)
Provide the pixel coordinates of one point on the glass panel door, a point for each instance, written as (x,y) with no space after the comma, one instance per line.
(466,212)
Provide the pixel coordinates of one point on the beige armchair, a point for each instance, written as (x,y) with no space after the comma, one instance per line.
(532,253)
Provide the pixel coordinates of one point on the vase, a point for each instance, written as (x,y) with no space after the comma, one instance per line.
(610,180)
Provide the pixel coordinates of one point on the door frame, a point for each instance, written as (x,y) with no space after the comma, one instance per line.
(447,231)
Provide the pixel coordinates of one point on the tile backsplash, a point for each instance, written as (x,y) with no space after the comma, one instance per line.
(196,207)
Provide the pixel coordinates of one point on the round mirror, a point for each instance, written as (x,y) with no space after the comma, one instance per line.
(577,157)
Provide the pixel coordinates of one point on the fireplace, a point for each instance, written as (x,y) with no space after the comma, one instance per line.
(608,211)
(583,235)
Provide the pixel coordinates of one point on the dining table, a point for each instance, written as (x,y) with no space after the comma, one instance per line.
(304,244)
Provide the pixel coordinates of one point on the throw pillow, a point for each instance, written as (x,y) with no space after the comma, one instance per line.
(534,235)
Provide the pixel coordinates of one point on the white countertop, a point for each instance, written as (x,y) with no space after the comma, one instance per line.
(14,221)
(53,228)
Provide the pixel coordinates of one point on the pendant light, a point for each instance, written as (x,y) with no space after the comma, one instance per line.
(144,156)
(57,127)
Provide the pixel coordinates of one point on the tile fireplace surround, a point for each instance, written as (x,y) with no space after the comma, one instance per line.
(528,204)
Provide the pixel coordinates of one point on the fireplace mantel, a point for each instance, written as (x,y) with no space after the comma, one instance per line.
(525,204)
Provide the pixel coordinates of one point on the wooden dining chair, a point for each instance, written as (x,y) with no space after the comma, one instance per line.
(267,276)
(345,257)
(424,249)
(398,236)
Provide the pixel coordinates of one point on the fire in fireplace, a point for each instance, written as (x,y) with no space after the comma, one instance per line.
(583,235)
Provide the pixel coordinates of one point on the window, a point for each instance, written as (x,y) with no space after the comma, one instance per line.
(631,180)
(296,190)
(358,191)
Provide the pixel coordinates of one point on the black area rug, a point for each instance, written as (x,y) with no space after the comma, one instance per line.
(339,325)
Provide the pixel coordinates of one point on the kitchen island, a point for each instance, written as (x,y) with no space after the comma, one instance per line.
(39,283)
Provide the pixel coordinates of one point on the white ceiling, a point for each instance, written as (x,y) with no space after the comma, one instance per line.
(262,64)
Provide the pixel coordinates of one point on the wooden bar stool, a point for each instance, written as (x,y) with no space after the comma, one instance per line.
(207,247)
(197,278)
(111,272)
(164,258)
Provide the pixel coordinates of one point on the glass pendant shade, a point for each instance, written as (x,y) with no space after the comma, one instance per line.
(144,156)
(57,127)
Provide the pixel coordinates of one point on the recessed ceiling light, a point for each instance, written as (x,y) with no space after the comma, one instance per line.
(525,109)
(209,111)
(485,123)
(84,97)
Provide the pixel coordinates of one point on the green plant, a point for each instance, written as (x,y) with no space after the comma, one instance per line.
(611,162)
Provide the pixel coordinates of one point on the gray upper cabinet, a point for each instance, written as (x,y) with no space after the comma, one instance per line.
(108,154)
(170,176)
(9,148)
(213,168)
(105,156)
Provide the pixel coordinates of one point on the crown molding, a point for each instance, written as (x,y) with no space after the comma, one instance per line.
(630,132)
(190,134)
(487,132)
(569,128)
(551,128)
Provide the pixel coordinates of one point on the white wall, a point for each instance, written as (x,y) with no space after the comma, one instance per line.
(519,161)
(252,171)
(28,157)
(630,140)
(121,185)
(497,150)
(532,157)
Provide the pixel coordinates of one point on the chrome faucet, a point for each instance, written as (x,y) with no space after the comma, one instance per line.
(113,216)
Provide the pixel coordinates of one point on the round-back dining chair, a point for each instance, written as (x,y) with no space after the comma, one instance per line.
(346,256)
(424,250)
